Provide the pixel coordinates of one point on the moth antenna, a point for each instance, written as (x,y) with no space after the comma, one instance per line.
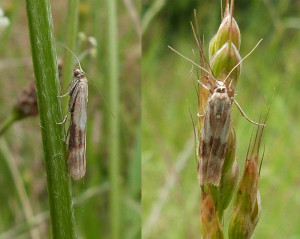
(71,53)
(242,60)
(106,104)
(89,77)
(194,63)
(244,115)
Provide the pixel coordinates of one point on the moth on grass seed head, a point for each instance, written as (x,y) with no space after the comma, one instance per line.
(216,116)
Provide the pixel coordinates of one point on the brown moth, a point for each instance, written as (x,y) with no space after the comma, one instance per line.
(77,129)
(214,135)
(78,91)
(216,124)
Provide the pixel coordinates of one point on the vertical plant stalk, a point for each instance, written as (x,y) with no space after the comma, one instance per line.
(113,124)
(71,33)
(47,84)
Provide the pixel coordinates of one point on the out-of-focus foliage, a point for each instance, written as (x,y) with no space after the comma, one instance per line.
(171,195)
(21,143)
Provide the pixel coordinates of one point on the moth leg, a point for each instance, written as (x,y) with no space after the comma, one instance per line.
(200,116)
(71,89)
(65,118)
(67,134)
(244,115)
(202,84)
(230,85)
(61,96)
(196,78)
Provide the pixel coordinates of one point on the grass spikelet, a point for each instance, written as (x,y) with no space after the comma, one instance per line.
(247,205)
(211,226)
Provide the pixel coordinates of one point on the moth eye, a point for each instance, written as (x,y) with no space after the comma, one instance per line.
(76,73)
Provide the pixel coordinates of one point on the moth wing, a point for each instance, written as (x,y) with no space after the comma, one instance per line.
(214,136)
(77,139)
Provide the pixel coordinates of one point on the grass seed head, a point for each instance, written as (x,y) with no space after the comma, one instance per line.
(247,205)
(240,225)
(223,62)
(211,226)
(228,31)
(227,187)
(224,49)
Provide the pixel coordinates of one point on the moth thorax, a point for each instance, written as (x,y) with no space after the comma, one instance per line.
(78,73)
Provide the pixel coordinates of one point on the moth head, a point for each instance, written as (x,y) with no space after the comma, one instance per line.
(78,73)
(220,87)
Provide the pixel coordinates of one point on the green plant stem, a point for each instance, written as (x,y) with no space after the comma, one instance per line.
(14,116)
(47,84)
(20,188)
(113,133)
(71,33)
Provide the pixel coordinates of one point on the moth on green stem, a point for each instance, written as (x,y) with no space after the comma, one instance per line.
(78,91)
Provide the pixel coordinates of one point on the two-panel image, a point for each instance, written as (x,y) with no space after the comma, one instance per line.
(152,119)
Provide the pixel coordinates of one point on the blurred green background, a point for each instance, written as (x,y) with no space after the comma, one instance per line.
(23,189)
(170,191)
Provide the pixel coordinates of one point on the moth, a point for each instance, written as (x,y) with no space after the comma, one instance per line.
(214,135)
(78,92)
(216,125)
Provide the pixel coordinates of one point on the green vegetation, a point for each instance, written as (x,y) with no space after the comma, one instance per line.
(24,211)
(171,194)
